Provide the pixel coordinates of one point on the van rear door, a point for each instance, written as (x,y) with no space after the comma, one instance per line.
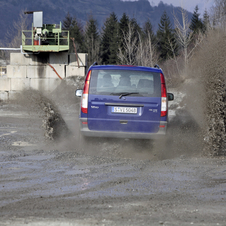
(124,101)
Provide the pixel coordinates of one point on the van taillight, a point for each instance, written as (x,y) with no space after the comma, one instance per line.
(163,96)
(85,95)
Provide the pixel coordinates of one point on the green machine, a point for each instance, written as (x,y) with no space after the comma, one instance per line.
(44,37)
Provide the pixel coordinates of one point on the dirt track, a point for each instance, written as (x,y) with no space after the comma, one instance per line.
(110,182)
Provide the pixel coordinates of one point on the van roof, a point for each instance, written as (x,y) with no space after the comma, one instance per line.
(125,67)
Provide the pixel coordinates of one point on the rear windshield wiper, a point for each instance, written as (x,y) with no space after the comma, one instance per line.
(121,94)
(127,94)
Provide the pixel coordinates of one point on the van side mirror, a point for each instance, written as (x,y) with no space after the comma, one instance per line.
(78,92)
(170,96)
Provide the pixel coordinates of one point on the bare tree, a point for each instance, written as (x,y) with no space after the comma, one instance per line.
(2,53)
(15,32)
(196,41)
(127,53)
(185,37)
(137,50)
(172,49)
(92,41)
(146,52)
(183,34)
(93,51)
(219,13)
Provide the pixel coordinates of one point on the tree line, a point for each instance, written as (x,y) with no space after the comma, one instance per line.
(124,41)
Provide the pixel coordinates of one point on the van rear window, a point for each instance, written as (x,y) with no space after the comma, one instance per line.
(114,82)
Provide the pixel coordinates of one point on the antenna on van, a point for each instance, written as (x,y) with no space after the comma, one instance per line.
(95,63)
(157,66)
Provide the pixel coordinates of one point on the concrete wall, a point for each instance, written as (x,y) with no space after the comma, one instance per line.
(5,84)
(44,71)
(4,95)
(82,59)
(38,59)
(32,71)
(36,65)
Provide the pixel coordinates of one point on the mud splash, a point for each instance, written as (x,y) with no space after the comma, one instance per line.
(199,117)
(53,123)
(209,70)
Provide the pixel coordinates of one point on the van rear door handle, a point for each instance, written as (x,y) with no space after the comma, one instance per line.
(124,104)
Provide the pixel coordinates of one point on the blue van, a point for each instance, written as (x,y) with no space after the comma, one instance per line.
(123,101)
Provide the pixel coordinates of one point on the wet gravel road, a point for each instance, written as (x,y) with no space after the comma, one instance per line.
(109,182)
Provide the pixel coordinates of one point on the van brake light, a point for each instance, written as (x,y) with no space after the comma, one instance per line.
(85,95)
(163,96)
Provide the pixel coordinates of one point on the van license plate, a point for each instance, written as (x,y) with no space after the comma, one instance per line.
(126,110)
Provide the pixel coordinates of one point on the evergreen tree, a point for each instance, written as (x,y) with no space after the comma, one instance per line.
(109,40)
(92,40)
(67,22)
(196,22)
(137,29)
(129,44)
(206,21)
(76,32)
(167,45)
(148,31)
(129,40)
(123,29)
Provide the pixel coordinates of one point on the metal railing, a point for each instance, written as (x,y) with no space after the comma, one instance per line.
(57,41)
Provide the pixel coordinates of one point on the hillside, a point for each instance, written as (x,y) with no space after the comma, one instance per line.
(56,10)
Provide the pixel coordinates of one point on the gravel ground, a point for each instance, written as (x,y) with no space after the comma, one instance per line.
(66,181)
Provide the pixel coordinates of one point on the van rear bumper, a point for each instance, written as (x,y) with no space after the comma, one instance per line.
(85,131)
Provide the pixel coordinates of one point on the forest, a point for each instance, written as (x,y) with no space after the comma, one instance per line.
(124,41)
(55,11)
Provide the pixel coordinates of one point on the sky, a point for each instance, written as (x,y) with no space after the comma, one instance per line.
(186,4)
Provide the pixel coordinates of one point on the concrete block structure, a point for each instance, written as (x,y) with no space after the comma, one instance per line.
(4,95)
(60,58)
(75,71)
(25,59)
(17,84)
(16,71)
(39,71)
(44,84)
(45,72)
(60,69)
(5,84)
(82,59)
